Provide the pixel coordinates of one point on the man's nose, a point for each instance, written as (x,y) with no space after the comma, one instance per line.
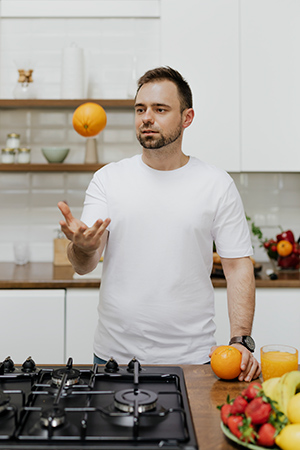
(148,117)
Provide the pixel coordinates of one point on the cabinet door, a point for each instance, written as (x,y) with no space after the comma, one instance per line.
(81,311)
(277,318)
(201,40)
(32,324)
(270,89)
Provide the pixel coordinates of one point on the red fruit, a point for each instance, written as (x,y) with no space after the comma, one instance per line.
(234,425)
(287,262)
(266,435)
(239,405)
(296,248)
(225,412)
(258,411)
(241,428)
(286,235)
(273,248)
(252,390)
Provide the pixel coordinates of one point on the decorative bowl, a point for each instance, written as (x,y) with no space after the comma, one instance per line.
(55,154)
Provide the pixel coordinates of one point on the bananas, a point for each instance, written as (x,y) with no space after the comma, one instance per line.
(282,389)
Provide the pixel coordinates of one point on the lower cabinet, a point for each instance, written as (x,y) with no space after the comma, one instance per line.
(276,321)
(32,324)
(81,321)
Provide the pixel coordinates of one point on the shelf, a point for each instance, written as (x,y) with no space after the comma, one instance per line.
(50,167)
(57,103)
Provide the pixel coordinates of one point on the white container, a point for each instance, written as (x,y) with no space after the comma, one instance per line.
(13,140)
(8,155)
(23,155)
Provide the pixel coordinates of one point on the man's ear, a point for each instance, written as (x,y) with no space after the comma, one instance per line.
(188,116)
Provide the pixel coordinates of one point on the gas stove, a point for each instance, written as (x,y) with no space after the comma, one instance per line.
(99,407)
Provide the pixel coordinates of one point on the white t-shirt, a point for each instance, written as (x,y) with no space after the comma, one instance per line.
(156,296)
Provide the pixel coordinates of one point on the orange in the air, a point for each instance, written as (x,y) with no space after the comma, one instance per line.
(89,119)
(284,248)
(226,362)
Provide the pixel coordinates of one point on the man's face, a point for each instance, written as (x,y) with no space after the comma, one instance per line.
(158,120)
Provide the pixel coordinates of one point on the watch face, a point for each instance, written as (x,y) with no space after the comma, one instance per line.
(250,343)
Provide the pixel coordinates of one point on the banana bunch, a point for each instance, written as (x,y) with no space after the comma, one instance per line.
(282,389)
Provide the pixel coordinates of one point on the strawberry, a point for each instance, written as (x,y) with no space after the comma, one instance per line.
(234,425)
(258,411)
(239,405)
(252,390)
(266,435)
(241,428)
(225,412)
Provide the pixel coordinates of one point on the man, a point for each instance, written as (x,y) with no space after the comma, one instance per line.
(157,215)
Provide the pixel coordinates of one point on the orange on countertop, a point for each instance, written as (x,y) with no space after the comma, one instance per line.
(226,361)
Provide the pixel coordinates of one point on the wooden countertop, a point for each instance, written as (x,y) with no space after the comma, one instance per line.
(47,276)
(205,393)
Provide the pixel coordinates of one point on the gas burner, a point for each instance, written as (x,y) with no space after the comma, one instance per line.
(4,401)
(126,399)
(8,365)
(53,417)
(29,365)
(73,376)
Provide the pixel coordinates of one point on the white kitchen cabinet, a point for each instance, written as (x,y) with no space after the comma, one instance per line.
(201,40)
(82,316)
(270,88)
(32,324)
(276,321)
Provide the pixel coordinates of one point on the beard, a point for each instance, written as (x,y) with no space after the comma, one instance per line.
(157,141)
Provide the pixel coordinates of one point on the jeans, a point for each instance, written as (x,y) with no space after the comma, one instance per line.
(98,360)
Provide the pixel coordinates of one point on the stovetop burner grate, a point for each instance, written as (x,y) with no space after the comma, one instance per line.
(95,408)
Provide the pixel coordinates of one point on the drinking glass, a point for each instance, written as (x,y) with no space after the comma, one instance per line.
(276,360)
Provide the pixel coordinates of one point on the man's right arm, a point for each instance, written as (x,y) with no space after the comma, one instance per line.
(87,243)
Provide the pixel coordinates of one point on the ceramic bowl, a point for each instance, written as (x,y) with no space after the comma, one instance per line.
(55,154)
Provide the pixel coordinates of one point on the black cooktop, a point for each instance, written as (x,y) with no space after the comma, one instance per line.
(97,407)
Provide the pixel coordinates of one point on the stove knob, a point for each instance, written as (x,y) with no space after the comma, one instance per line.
(28,365)
(130,366)
(8,365)
(111,366)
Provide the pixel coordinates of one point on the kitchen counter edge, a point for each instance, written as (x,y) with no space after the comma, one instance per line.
(43,275)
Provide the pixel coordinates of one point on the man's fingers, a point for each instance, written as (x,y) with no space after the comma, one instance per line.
(65,210)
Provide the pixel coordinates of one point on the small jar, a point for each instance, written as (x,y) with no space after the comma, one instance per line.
(8,155)
(13,140)
(23,155)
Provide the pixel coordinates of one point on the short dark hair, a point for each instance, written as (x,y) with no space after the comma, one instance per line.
(167,73)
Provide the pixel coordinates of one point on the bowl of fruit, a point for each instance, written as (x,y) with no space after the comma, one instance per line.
(284,251)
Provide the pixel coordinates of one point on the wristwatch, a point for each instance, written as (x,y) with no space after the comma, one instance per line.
(246,341)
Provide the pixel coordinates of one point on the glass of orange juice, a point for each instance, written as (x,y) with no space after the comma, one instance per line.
(276,360)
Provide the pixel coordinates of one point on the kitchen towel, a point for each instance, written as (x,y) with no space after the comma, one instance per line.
(73,72)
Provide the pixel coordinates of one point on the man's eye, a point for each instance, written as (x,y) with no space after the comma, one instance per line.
(139,110)
(161,110)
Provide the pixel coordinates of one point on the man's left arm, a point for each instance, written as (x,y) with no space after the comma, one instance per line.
(240,279)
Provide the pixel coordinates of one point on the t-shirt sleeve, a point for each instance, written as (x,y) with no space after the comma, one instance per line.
(95,203)
(230,229)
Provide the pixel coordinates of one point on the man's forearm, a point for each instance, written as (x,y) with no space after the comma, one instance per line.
(241,297)
(82,262)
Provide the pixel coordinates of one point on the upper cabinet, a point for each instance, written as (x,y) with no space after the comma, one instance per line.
(270,85)
(201,40)
(241,59)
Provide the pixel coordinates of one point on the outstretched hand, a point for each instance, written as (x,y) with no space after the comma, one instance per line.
(85,238)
